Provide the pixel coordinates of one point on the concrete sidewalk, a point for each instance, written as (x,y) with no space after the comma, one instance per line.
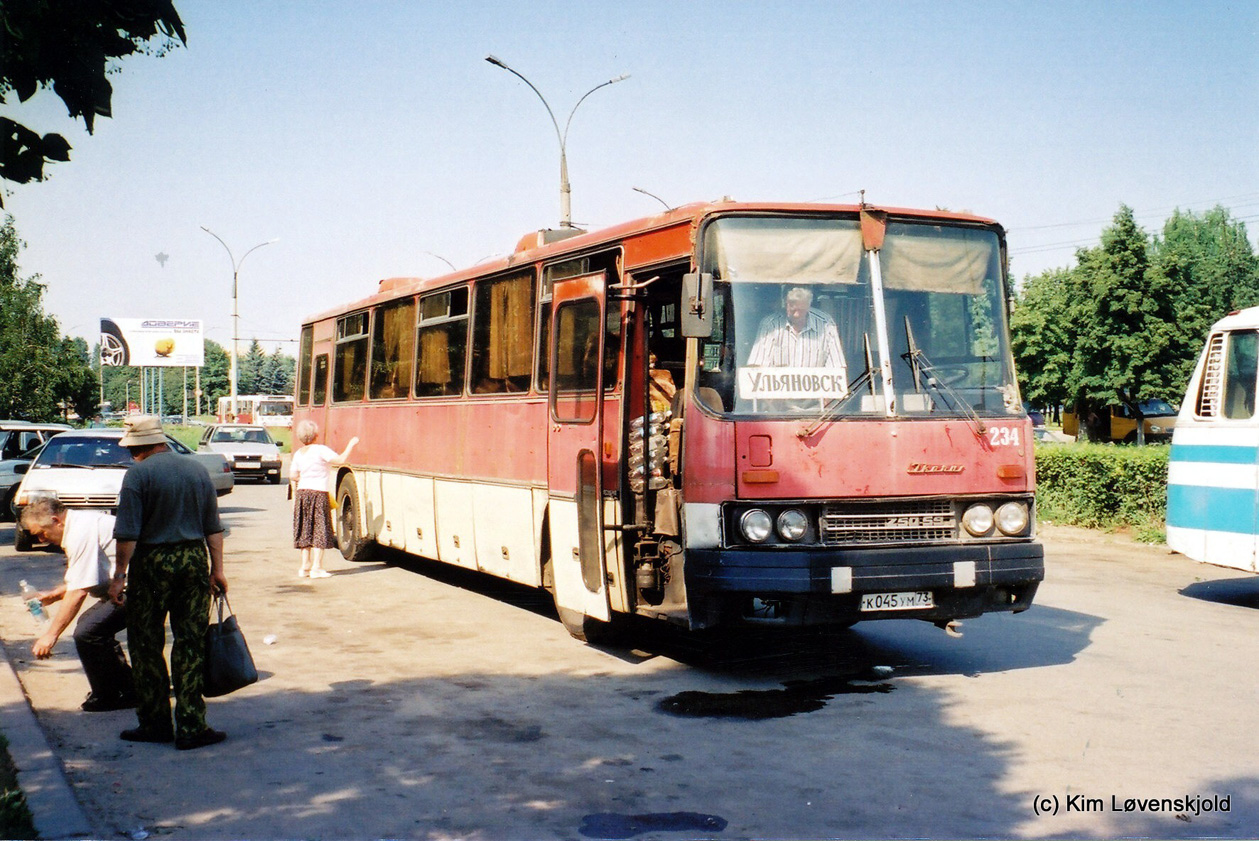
(51,799)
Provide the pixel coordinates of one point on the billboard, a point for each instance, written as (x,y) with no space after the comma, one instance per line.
(156,342)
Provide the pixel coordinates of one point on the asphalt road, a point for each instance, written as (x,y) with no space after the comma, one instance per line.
(403,700)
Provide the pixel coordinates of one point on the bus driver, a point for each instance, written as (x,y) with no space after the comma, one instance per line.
(800,337)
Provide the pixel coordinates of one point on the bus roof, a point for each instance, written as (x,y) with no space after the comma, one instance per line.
(550,243)
(1238,320)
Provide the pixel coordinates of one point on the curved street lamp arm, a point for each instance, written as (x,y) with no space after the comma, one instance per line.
(621,78)
(222,243)
(255,248)
(497,63)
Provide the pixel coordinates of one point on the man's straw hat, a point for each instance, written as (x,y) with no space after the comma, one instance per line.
(142,430)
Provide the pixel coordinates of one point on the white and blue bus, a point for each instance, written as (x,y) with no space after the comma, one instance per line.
(1213,480)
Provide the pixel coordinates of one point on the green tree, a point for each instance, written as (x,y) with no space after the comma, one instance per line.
(1041,338)
(277,374)
(250,373)
(78,385)
(1123,321)
(70,48)
(215,382)
(41,374)
(1212,269)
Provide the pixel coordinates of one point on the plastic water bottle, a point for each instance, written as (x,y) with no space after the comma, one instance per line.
(33,604)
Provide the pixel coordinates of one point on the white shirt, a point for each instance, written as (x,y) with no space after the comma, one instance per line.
(310,465)
(779,344)
(88,541)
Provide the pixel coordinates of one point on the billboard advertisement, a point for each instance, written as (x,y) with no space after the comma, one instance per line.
(152,342)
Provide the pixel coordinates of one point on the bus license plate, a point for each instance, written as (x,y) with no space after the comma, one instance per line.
(897,601)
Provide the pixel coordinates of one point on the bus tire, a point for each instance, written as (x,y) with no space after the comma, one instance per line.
(351,536)
(588,629)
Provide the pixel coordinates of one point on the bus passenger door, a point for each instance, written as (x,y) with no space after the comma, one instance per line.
(574,461)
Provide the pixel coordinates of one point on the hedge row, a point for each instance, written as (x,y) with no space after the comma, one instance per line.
(1103,486)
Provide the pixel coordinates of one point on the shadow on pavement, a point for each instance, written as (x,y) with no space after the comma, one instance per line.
(1239,592)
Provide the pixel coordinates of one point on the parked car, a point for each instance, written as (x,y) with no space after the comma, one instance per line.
(84,469)
(12,471)
(1159,421)
(17,437)
(249,449)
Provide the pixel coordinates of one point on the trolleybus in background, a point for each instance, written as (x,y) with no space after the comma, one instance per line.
(593,415)
(1213,475)
(261,409)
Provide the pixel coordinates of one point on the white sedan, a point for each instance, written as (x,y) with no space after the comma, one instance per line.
(84,469)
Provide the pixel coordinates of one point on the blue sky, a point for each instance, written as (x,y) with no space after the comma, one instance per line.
(370,136)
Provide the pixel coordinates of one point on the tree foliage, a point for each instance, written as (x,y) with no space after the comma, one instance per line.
(1127,322)
(41,373)
(69,47)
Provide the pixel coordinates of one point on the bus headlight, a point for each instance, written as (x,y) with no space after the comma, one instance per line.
(978,520)
(756,525)
(1012,518)
(792,525)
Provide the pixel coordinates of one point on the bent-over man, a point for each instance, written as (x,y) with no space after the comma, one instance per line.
(87,537)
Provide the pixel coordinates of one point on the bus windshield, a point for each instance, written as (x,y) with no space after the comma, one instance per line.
(796,330)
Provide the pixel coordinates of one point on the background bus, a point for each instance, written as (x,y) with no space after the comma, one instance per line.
(514,419)
(262,409)
(1213,475)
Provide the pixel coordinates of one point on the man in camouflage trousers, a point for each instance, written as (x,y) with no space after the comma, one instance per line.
(168,516)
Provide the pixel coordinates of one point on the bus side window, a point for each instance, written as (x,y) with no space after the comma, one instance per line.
(442,343)
(304,355)
(393,350)
(320,388)
(502,334)
(349,376)
(1240,375)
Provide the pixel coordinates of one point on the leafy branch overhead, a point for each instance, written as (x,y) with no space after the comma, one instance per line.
(70,47)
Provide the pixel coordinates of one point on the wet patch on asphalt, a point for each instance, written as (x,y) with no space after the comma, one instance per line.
(610,825)
(801,696)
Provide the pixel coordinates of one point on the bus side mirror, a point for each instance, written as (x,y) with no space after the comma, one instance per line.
(697,303)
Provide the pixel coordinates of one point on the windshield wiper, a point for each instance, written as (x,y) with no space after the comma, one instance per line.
(834,406)
(920,364)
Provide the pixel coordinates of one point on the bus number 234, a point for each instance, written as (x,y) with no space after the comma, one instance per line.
(1003,436)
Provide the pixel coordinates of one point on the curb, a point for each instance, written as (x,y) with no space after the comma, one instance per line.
(56,811)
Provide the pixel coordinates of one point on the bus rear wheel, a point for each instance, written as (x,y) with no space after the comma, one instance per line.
(350,532)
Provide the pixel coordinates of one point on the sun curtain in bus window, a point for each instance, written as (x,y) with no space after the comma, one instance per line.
(349,375)
(576,361)
(306,349)
(443,343)
(393,349)
(502,343)
(773,249)
(927,258)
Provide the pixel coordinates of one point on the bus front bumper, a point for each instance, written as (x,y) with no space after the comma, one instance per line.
(822,584)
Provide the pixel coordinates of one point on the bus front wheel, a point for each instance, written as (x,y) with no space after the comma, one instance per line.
(593,631)
(350,532)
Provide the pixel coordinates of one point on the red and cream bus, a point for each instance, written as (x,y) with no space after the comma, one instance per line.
(588,415)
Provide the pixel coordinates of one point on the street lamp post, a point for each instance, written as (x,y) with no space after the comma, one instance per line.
(566,215)
(234,368)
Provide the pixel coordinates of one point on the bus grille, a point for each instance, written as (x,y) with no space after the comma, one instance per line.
(888,521)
